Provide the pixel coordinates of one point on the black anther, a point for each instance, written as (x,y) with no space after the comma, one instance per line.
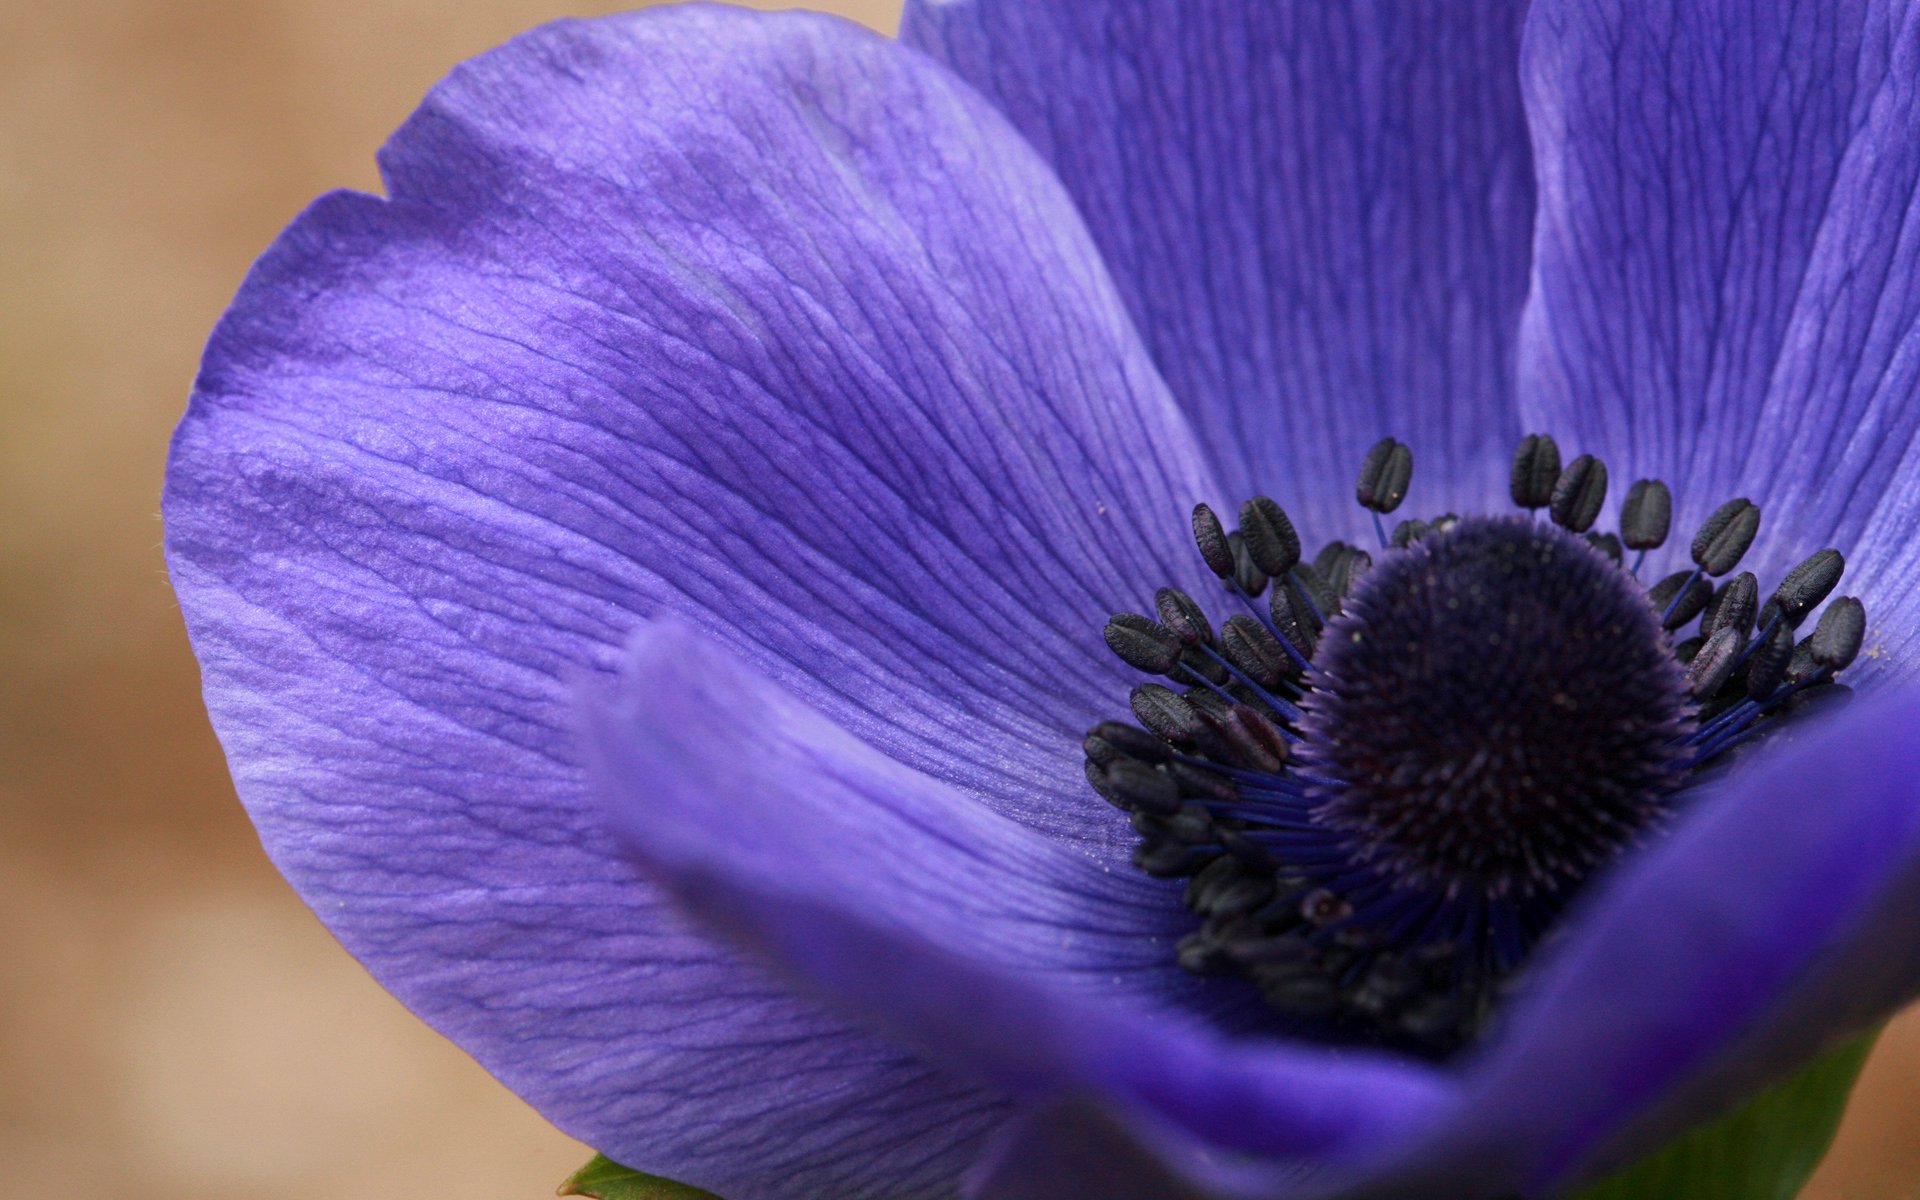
(1211,537)
(1647,516)
(1384,476)
(1725,535)
(1142,643)
(1097,776)
(1802,667)
(1606,544)
(1249,578)
(1111,739)
(1182,614)
(1536,468)
(1767,669)
(1308,577)
(1807,585)
(1247,748)
(1272,744)
(1352,567)
(1292,608)
(1713,664)
(1201,665)
(1733,606)
(1141,788)
(1246,644)
(1162,710)
(1338,565)
(1579,494)
(1269,536)
(1691,604)
(1201,783)
(1837,638)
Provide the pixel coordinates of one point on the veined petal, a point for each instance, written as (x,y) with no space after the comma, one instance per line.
(1012,958)
(760,320)
(1319,215)
(1727,283)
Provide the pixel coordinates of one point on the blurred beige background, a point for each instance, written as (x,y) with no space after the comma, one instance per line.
(173,1024)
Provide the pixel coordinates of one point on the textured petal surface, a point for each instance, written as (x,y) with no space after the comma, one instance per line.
(761,320)
(1728,266)
(961,932)
(1319,214)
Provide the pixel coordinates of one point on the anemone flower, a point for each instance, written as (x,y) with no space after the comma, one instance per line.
(674,581)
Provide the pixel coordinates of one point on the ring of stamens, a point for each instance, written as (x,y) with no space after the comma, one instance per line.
(1384,779)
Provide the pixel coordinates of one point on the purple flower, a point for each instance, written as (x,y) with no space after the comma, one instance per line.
(835,399)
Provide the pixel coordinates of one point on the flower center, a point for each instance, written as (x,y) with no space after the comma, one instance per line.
(1385,780)
(1500,709)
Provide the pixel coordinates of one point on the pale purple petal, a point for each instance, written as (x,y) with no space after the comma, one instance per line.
(1318,213)
(1728,268)
(760,320)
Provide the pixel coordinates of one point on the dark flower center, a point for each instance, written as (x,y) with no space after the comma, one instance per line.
(1385,780)
(1500,709)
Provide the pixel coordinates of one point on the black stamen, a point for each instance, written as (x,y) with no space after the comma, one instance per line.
(1295,613)
(1536,469)
(1767,669)
(1647,515)
(1269,537)
(1183,615)
(1733,606)
(1607,544)
(1680,597)
(1386,780)
(1384,475)
(1247,575)
(1165,712)
(1211,537)
(1114,739)
(1712,664)
(1249,647)
(1804,587)
(1137,787)
(1579,493)
(1313,585)
(1338,565)
(1838,636)
(1143,644)
(1725,535)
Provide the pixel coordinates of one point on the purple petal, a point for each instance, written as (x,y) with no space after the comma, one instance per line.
(979,942)
(761,320)
(1728,266)
(1319,215)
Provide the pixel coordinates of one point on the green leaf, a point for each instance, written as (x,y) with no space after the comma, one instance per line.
(1763,1151)
(605,1179)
